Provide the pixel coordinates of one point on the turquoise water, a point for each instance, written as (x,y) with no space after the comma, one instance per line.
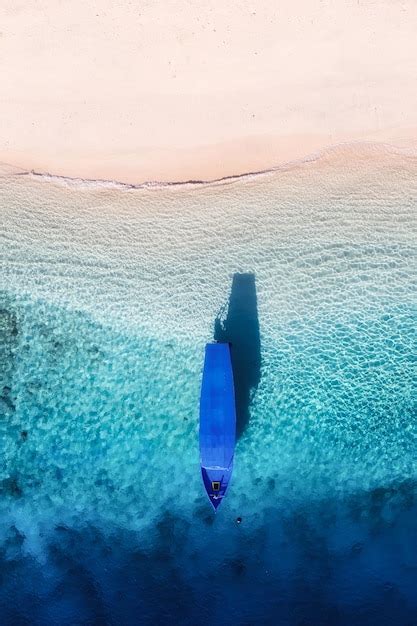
(107,297)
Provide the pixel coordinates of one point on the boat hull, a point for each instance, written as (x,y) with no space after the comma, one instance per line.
(217,421)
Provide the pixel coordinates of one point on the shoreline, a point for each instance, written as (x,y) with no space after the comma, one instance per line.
(347,150)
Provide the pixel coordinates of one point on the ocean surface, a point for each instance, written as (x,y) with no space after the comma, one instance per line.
(108,295)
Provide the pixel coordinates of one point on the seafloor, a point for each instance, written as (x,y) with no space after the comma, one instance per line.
(107,297)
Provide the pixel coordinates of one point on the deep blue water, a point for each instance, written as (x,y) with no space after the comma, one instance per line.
(104,315)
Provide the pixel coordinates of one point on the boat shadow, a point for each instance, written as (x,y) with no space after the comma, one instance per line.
(240,327)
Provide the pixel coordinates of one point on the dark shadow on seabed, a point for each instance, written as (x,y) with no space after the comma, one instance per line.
(241,329)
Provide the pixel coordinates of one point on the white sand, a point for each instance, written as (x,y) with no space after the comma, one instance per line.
(175,90)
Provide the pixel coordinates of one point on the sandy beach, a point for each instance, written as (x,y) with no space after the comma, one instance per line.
(150,91)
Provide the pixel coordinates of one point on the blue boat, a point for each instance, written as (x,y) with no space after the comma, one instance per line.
(217,421)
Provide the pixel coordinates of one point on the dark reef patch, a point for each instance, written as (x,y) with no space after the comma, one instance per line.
(304,567)
(8,346)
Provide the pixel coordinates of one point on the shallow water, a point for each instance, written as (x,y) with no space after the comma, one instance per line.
(107,297)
